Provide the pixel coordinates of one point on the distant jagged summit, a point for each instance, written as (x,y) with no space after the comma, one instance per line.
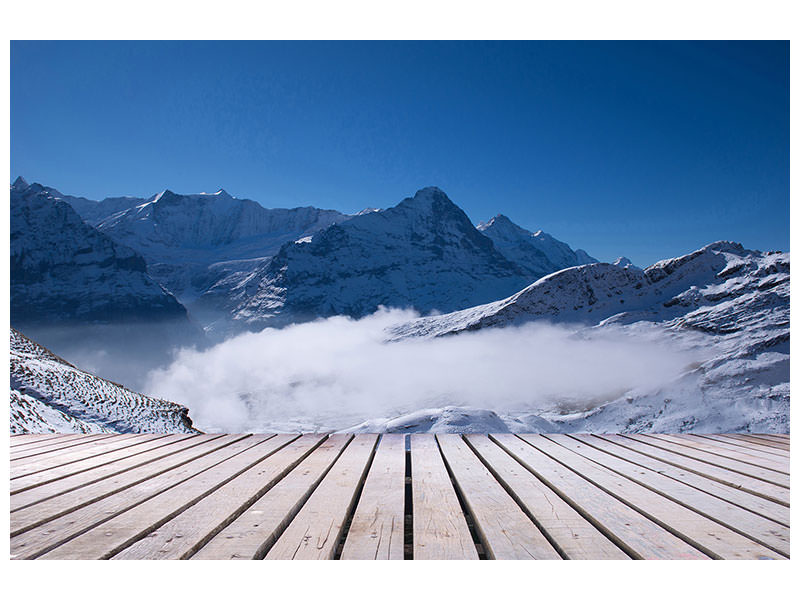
(182,235)
(423,253)
(625,263)
(538,252)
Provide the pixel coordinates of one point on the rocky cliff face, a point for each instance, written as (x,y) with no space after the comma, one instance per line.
(63,270)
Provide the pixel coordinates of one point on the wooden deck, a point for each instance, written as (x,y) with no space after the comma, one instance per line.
(143,496)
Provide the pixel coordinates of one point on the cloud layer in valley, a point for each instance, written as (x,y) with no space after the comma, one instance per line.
(335,373)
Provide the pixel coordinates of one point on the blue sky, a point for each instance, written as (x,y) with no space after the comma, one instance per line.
(647,149)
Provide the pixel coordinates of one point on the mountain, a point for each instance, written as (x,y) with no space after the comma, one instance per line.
(65,271)
(727,303)
(539,253)
(689,289)
(94,212)
(625,263)
(48,394)
(191,241)
(90,211)
(423,253)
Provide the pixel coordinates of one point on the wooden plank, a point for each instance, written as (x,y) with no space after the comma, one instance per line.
(376,531)
(60,444)
(21,439)
(781,437)
(505,531)
(31,480)
(28,517)
(756,527)
(709,536)
(750,441)
(181,536)
(37,441)
(59,448)
(440,530)
(51,461)
(638,535)
(674,454)
(151,451)
(569,531)
(314,532)
(45,535)
(740,455)
(777,479)
(113,535)
(780,461)
(775,450)
(253,533)
(632,451)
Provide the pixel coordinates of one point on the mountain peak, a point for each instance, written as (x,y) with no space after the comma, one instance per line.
(624,262)
(19,184)
(428,197)
(166,193)
(501,222)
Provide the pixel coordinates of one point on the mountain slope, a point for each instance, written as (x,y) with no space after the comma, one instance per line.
(63,270)
(538,252)
(187,239)
(686,287)
(93,212)
(727,303)
(50,395)
(423,253)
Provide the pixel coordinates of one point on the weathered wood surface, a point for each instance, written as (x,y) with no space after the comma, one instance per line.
(376,531)
(440,530)
(340,496)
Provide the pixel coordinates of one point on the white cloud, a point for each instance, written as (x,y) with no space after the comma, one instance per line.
(338,372)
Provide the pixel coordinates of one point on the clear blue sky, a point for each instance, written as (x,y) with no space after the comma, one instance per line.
(647,149)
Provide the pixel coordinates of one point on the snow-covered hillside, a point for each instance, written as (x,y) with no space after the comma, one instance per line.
(687,287)
(730,303)
(423,253)
(93,212)
(190,241)
(63,270)
(538,252)
(50,395)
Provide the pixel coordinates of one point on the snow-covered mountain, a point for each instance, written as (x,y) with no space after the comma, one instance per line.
(728,302)
(49,394)
(686,287)
(94,212)
(65,271)
(538,252)
(624,262)
(192,240)
(423,253)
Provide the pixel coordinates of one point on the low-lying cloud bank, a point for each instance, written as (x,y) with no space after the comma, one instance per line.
(339,372)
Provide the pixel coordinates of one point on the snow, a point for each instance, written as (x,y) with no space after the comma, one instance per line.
(538,252)
(49,394)
(182,237)
(737,300)
(64,270)
(423,254)
(240,265)
(625,263)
